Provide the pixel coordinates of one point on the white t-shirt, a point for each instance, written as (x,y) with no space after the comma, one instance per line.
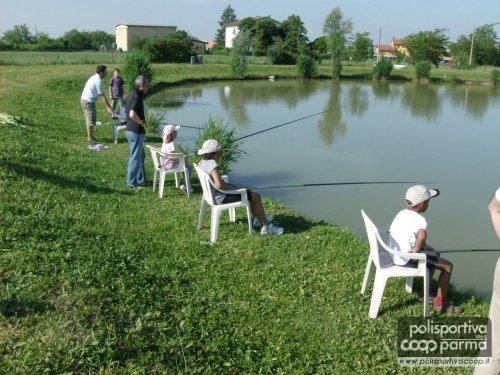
(403,233)
(167,148)
(93,88)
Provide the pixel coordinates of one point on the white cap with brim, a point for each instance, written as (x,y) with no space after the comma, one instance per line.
(168,129)
(418,194)
(209,146)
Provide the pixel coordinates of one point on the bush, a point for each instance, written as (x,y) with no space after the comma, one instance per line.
(307,67)
(231,148)
(423,69)
(382,69)
(277,55)
(136,63)
(495,76)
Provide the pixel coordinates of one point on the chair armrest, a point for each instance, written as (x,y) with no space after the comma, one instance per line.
(237,191)
(416,256)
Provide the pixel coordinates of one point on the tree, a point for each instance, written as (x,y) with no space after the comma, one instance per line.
(238,57)
(336,30)
(75,40)
(294,33)
(319,45)
(228,16)
(265,31)
(485,51)
(18,35)
(362,47)
(427,45)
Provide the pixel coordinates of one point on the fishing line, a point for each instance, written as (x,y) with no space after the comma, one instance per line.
(332,184)
(466,251)
(288,122)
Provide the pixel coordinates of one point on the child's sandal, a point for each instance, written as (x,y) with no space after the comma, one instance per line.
(447,308)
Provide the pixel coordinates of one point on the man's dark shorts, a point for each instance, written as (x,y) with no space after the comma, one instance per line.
(432,260)
(231,198)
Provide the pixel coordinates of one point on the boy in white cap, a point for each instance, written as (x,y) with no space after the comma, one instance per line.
(168,146)
(408,233)
(212,151)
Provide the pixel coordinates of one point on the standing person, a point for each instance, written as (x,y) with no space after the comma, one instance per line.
(135,133)
(116,90)
(494,366)
(408,233)
(168,146)
(94,89)
(212,151)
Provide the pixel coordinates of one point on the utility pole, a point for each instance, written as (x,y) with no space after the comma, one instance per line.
(471,46)
(378,50)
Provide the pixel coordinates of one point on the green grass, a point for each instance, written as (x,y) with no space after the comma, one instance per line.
(95,278)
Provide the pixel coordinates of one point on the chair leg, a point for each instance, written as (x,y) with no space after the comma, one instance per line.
(249,217)
(378,292)
(187,183)
(202,213)
(161,184)
(155,177)
(426,293)
(409,284)
(177,184)
(214,225)
(232,214)
(366,279)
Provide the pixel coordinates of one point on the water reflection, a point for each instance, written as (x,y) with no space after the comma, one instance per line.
(331,123)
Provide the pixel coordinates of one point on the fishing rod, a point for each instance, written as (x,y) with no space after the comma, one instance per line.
(184,126)
(172,102)
(466,251)
(332,184)
(288,122)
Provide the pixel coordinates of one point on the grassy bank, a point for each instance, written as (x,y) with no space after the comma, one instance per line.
(96,278)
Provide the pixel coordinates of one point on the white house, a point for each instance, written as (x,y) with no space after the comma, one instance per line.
(233,28)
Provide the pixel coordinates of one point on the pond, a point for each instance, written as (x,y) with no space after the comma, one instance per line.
(444,136)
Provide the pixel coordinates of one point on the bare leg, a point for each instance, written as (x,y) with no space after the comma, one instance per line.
(444,278)
(90,132)
(257,209)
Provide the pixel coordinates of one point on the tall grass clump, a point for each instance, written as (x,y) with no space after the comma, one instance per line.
(382,69)
(136,63)
(231,148)
(307,67)
(422,70)
(495,76)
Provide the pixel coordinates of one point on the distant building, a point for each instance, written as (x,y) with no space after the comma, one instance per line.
(125,33)
(388,51)
(233,28)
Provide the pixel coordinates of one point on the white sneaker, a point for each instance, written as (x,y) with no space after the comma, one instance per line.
(256,222)
(271,229)
(182,187)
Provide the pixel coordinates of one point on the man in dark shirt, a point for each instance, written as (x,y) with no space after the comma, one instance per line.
(135,133)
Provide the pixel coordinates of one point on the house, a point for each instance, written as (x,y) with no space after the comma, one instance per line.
(232,29)
(125,33)
(388,51)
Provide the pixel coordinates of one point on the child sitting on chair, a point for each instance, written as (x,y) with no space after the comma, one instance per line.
(168,147)
(211,151)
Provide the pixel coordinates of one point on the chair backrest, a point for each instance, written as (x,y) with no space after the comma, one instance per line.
(206,184)
(155,156)
(383,259)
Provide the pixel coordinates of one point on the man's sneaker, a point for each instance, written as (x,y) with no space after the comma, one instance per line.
(271,229)
(256,222)
(183,187)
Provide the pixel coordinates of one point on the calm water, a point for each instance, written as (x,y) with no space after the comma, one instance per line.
(444,136)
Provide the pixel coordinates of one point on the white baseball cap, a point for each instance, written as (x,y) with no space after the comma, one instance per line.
(168,129)
(418,194)
(209,146)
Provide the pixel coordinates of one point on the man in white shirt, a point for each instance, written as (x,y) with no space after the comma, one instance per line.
(94,89)
(408,233)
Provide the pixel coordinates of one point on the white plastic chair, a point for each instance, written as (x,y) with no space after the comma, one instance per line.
(162,171)
(119,124)
(206,182)
(380,256)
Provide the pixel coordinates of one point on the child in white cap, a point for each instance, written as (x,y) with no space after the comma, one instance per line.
(212,151)
(408,233)
(168,147)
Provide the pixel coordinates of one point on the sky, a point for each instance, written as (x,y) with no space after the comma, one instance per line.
(200,18)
